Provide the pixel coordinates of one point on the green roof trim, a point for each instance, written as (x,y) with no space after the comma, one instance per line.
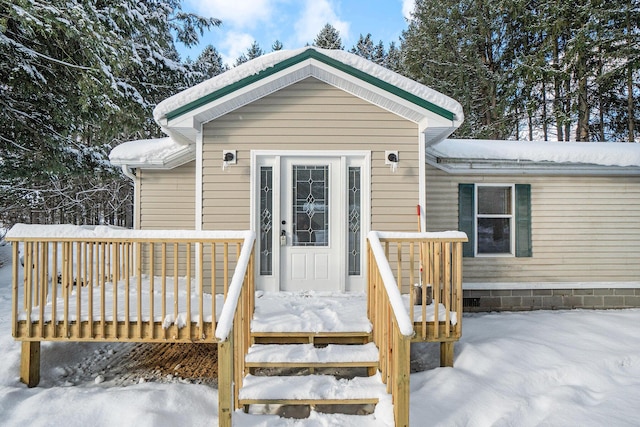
(311,54)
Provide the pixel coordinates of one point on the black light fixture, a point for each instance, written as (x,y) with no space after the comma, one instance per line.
(228,158)
(391,158)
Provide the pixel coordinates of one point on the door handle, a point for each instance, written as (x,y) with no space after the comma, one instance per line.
(283,238)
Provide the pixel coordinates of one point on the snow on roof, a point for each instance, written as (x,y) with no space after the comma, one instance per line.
(144,149)
(592,153)
(147,151)
(264,62)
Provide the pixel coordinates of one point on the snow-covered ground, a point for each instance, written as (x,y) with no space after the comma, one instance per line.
(560,368)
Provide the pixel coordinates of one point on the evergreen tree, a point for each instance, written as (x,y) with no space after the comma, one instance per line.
(209,64)
(253,52)
(277,45)
(328,38)
(548,66)
(71,92)
(378,55)
(456,47)
(393,59)
(364,47)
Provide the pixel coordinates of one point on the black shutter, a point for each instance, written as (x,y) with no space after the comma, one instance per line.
(466,203)
(523,220)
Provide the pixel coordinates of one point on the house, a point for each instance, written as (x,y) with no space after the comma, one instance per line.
(551,225)
(318,159)
(310,148)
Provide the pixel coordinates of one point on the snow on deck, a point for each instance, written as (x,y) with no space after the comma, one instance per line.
(310,312)
(306,312)
(145,297)
(308,387)
(308,353)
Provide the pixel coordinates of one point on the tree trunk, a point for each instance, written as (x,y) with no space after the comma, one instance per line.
(630,110)
(557,96)
(544,109)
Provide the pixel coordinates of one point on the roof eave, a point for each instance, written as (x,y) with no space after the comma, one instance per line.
(525,167)
(171,161)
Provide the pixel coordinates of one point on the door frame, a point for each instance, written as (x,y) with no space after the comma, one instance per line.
(273,158)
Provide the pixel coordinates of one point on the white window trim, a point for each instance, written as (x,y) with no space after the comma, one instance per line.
(512,236)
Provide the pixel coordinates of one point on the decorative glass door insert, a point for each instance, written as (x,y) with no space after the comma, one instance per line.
(310,205)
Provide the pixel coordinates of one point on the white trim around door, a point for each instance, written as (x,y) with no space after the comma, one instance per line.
(341,258)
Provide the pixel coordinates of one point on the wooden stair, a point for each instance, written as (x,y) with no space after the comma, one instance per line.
(328,373)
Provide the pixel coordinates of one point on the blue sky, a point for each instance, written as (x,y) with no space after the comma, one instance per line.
(295,22)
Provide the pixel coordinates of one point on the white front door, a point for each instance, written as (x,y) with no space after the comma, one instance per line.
(311,222)
(311,216)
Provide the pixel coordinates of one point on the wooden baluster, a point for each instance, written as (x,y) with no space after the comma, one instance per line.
(55,278)
(457,285)
(152,289)
(138,254)
(164,286)
(426,280)
(199,250)
(225,271)
(44,284)
(15,255)
(67,269)
(436,288)
(90,285)
(28,272)
(77,280)
(175,284)
(188,290)
(447,287)
(103,248)
(214,273)
(115,275)
(412,288)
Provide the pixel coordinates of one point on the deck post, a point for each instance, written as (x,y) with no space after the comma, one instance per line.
(446,354)
(225,379)
(402,398)
(30,363)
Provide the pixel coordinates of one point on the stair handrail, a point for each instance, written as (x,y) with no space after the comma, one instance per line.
(225,323)
(390,284)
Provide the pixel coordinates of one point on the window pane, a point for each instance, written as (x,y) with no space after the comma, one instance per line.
(494,235)
(266,221)
(354,221)
(310,205)
(494,200)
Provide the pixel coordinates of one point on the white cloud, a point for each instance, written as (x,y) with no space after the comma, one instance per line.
(236,13)
(314,16)
(233,45)
(407,8)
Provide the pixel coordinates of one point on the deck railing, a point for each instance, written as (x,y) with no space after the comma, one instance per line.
(234,333)
(78,284)
(415,293)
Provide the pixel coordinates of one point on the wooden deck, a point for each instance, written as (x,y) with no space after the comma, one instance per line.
(159,288)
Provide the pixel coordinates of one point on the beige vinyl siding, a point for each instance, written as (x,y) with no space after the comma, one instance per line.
(310,115)
(167,202)
(167,198)
(584,229)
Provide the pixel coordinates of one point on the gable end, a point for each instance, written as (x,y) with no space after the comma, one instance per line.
(311,54)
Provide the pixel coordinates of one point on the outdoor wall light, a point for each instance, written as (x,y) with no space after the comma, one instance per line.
(228,158)
(391,158)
